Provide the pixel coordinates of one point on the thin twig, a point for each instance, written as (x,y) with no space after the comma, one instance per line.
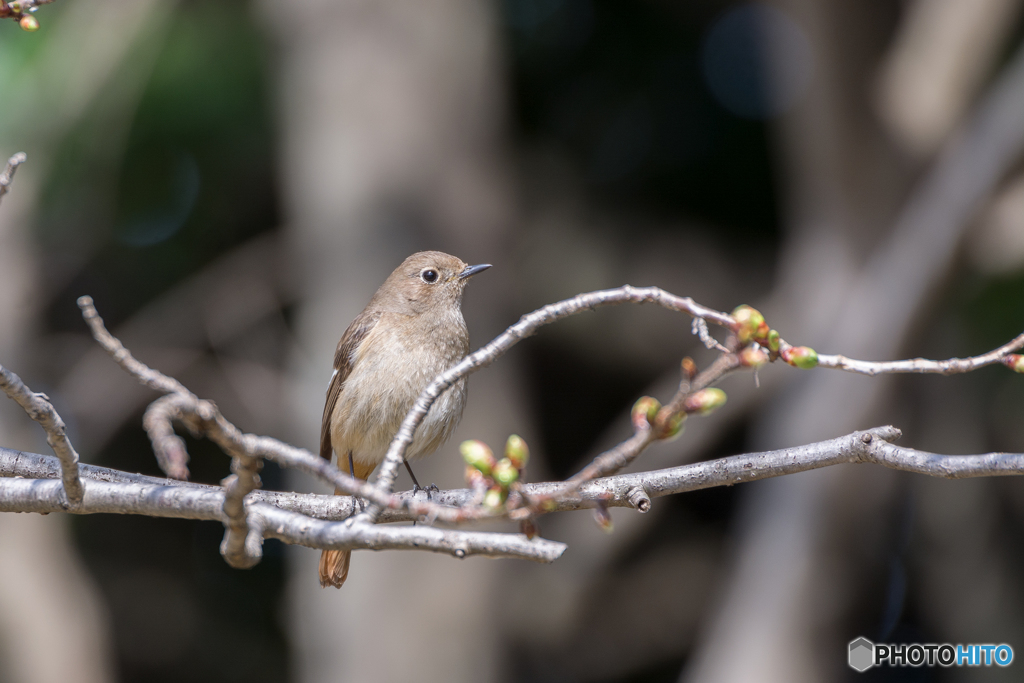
(614,459)
(202,417)
(21,9)
(246,525)
(238,547)
(40,409)
(628,450)
(155,380)
(951,366)
(8,173)
(169,448)
(526,327)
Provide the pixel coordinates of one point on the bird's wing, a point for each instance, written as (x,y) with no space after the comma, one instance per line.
(350,341)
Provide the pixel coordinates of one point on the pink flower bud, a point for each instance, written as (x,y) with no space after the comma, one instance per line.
(802,357)
(29,23)
(645,410)
(752,358)
(475,477)
(603,518)
(1015,362)
(689,368)
(750,324)
(705,401)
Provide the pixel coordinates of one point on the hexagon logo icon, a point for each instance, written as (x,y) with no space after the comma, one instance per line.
(862,654)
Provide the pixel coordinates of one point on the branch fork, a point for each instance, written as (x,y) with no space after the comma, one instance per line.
(344,522)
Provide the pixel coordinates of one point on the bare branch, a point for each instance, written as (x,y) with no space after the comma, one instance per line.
(169,448)
(8,174)
(526,327)
(203,417)
(249,515)
(628,450)
(952,366)
(293,528)
(614,459)
(153,379)
(946,466)
(121,492)
(39,409)
(247,451)
(182,501)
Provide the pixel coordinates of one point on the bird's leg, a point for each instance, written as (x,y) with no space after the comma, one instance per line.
(352,470)
(416,485)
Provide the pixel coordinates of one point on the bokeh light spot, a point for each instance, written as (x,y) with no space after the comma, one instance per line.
(756,61)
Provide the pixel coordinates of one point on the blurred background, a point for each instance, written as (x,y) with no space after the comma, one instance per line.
(232,180)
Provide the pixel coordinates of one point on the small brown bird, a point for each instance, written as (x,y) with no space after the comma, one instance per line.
(411,331)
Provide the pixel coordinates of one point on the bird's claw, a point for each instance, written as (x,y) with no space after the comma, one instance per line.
(432,488)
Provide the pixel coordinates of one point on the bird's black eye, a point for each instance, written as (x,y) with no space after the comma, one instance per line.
(429,276)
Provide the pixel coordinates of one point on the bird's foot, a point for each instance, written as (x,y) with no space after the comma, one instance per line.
(432,488)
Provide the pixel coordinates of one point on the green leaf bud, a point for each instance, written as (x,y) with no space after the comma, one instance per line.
(802,357)
(517,451)
(478,454)
(750,324)
(705,401)
(645,410)
(494,499)
(505,472)
(669,426)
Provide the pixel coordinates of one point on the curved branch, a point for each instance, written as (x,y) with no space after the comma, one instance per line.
(39,409)
(630,449)
(526,326)
(249,515)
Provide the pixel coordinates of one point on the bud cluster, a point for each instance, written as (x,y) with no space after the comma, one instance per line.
(20,10)
(648,413)
(667,424)
(750,327)
(490,477)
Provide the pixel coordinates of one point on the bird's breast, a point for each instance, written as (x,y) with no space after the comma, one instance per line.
(390,369)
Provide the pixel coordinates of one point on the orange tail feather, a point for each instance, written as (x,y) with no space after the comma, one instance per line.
(334,563)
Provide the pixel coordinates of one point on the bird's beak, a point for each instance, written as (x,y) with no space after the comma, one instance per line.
(470,271)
